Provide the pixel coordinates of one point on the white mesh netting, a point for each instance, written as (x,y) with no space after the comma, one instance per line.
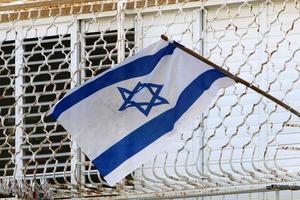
(243,139)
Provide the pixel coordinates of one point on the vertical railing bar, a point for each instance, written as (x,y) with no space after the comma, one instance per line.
(19,102)
(121,32)
(76,169)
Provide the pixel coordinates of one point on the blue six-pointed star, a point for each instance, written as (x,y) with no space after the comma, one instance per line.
(143,106)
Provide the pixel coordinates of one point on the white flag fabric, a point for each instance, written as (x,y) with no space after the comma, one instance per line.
(128,114)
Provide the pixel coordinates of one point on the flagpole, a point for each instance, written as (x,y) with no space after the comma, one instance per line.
(234,77)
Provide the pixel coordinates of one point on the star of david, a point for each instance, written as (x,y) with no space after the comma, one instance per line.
(143,106)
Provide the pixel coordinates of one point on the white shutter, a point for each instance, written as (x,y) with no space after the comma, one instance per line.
(257,123)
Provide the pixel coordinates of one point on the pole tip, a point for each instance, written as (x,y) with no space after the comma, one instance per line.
(164,37)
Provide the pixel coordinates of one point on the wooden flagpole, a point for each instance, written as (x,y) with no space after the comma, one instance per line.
(234,77)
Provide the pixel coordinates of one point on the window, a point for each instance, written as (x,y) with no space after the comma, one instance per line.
(7,107)
(46,78)
(100,53)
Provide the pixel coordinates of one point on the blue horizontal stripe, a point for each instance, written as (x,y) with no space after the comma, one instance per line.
(136,68)
(155,128)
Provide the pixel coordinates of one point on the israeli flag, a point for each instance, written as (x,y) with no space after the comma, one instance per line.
(128,114)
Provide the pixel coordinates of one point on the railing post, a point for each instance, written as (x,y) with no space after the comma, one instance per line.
(121,31)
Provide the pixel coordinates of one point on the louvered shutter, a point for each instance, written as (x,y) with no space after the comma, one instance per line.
(46,78)
(101,53)
(7,108)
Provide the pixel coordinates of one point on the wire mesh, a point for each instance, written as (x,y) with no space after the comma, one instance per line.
(242,139)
